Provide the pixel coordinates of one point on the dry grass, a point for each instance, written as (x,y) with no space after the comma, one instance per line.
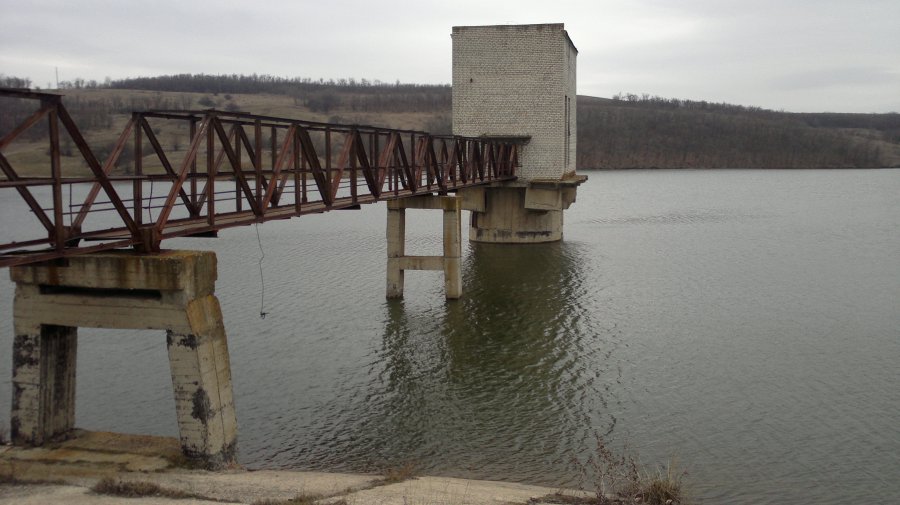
(619,478)
(9,476)
(136,489)
(396,474)
(12,480)
(663,488)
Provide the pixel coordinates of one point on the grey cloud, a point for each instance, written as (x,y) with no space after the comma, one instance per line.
(844,76)
(771,53)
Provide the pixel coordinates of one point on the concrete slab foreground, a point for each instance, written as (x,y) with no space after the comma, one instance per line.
(75,495)
(446,490)
(70,468)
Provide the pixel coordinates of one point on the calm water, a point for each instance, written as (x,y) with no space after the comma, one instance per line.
(746,321)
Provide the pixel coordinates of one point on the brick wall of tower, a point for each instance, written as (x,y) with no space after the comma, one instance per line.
(517,80)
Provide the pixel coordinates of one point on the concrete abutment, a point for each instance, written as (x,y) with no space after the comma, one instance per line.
(171,291)
(43,383)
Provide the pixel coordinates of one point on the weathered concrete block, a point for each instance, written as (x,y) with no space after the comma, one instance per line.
(43,380)
(473,199)
(192,273)
(99,309)
(171,291)
(203,400)
(543,199)
(507,220)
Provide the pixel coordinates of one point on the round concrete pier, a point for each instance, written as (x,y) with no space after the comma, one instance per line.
(506,220)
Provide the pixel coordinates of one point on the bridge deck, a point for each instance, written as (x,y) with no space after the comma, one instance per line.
(213,170)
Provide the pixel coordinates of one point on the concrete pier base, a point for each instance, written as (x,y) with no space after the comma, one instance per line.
(171,291)
(398,262)
(43,383)
(520,214)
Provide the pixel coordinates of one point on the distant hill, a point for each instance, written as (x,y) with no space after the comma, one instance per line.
(626,131)
(653,132)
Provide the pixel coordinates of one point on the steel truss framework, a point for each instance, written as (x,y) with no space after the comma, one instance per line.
(233,169)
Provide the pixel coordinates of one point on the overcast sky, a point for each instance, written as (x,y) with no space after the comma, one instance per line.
(796,55)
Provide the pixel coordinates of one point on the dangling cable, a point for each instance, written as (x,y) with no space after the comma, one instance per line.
(70,205)
(262,281)
(150,201)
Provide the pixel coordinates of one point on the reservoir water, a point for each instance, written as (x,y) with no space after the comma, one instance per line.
(746,322)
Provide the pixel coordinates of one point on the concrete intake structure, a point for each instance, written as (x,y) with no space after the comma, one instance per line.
(518,81)
(171,291)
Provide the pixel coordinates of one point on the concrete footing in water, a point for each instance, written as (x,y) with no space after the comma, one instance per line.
(171,291)
(527,214)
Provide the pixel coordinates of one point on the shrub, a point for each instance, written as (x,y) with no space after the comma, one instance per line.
(622,477)
(207,102)
(135,489)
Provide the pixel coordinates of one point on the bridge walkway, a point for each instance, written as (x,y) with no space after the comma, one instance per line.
(176,173)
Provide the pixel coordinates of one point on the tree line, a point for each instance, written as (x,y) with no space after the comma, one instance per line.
(642,131)
(319,95)
(89,113)
(626,131)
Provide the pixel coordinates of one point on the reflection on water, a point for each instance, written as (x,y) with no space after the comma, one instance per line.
(511,365)
(519,340)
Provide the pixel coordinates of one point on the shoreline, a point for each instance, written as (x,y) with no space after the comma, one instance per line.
(66,472)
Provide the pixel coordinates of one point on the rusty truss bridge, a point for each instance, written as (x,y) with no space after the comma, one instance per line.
(192,173)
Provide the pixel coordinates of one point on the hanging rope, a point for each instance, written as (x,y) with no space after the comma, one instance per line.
(150,201)
(262,281)
(70,204)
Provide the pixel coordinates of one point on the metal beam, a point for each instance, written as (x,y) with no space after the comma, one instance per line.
(393,164)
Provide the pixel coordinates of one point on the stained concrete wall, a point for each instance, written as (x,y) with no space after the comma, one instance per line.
(507,221)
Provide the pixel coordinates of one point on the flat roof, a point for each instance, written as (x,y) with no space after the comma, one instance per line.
(553,26)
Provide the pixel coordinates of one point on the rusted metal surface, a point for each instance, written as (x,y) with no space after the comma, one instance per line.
(227,169)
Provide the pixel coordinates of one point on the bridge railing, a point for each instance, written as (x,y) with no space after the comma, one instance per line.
(183,173)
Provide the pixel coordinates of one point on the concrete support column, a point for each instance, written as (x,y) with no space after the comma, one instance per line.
(452,248)
(43,380)
(201,379)
(449,262)
(396,248)
(171,291)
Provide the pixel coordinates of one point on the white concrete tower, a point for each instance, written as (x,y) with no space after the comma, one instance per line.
(519,81)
